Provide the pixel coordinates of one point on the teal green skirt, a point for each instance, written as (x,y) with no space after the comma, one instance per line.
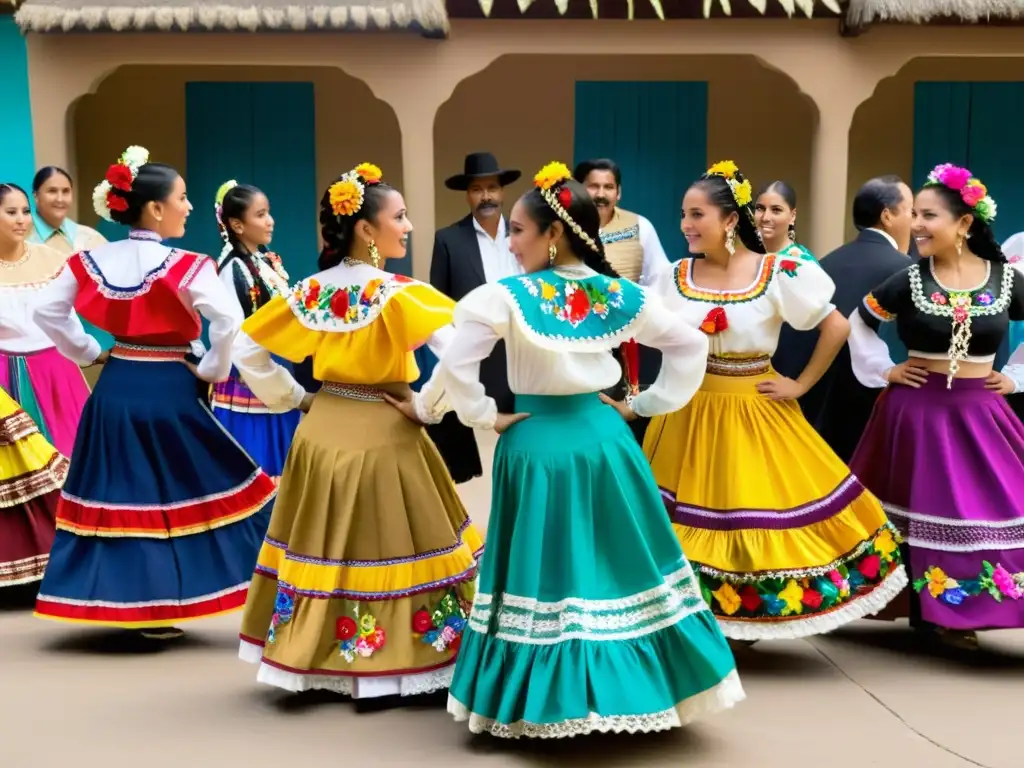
(587,615)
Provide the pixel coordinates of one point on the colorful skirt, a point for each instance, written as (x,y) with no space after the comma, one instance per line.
(162,515)
(587,615)
(50,389)
(787,541)
(265,436)
(365,577)
(31,474)
(948,465)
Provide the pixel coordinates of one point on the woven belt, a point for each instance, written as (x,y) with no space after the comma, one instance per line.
(354,392)
(738,366)
(148,354)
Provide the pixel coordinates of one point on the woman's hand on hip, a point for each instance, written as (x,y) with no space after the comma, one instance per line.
(1001,383)
(627,413)
(781,388)
(505,420)
(908,375)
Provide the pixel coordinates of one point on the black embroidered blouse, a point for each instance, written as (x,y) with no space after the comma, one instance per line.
(926,313)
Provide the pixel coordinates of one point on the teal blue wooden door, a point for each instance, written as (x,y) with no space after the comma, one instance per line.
(17,160)
(256,133)
(968,124)
(657,133)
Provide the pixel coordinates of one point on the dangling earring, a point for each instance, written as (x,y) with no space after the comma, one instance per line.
(374,254)
(959,245)
(730,241)
(552,254)
(792,233)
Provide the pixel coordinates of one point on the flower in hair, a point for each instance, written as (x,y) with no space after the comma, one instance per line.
(950,175)
(346,195)
(551,174)
(974,194)
(222,192)
(369,173)
(727,169)
(565,197)
(120,176)
(742,192)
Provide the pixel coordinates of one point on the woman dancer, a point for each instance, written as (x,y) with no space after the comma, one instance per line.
(943,449)
(253,276)
(55,198)
(786,540)
(775,216)
(587,616)
(364,575)
(31,474)
(162,514)
(49,388)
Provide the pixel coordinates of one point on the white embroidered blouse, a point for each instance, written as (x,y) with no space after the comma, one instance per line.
(789,287)
(126,269)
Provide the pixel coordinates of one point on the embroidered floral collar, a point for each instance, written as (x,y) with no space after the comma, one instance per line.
(344,308)
(689,290)
(562,308)
(145,234)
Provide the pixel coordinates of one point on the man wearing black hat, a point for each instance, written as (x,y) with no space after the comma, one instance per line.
(467,254)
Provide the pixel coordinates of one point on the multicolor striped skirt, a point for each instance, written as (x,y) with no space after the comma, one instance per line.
(265,436)
(31,474)
(365,579)
(162,515)
(787,541)
(50,389)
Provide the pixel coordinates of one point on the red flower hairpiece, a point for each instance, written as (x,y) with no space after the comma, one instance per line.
(120,177)
(565,197)
(116,202)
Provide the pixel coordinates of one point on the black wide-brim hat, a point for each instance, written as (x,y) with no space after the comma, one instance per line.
(479,165)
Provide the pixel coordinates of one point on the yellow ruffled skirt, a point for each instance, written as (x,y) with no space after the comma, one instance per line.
(786,541)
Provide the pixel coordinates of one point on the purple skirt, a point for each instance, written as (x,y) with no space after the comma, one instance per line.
(948,465)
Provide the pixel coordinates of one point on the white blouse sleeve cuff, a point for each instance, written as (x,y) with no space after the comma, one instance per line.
(1016,374)
(869,354)
(273,384)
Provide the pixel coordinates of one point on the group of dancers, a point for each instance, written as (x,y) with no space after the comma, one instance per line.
(191,486)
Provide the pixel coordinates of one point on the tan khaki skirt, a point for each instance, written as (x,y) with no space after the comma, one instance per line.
(365,578)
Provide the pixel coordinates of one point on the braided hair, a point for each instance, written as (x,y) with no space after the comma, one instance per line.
(581,210)
(236,203)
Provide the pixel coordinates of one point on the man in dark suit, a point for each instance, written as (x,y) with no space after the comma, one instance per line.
(467,254)
(882,211)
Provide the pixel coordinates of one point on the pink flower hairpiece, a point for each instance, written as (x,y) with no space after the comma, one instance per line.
(974,194)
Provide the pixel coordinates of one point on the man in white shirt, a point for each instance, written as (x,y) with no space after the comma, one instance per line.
(467,254)
(630,240)
(632,247)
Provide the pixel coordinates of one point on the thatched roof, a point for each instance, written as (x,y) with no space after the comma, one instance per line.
(862,12)
(426,16)
(725,6)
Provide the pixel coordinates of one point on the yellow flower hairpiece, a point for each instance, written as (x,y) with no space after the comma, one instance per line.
(725,168)
(369,173)
(551,174)
(742,192)
(346,196)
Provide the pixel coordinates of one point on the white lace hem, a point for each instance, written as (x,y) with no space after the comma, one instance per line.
(792,629)
(725,695)
(358,687)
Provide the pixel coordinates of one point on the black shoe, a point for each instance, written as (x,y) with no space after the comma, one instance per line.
(162,633)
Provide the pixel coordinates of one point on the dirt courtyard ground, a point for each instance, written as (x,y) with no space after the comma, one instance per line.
(864,696)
